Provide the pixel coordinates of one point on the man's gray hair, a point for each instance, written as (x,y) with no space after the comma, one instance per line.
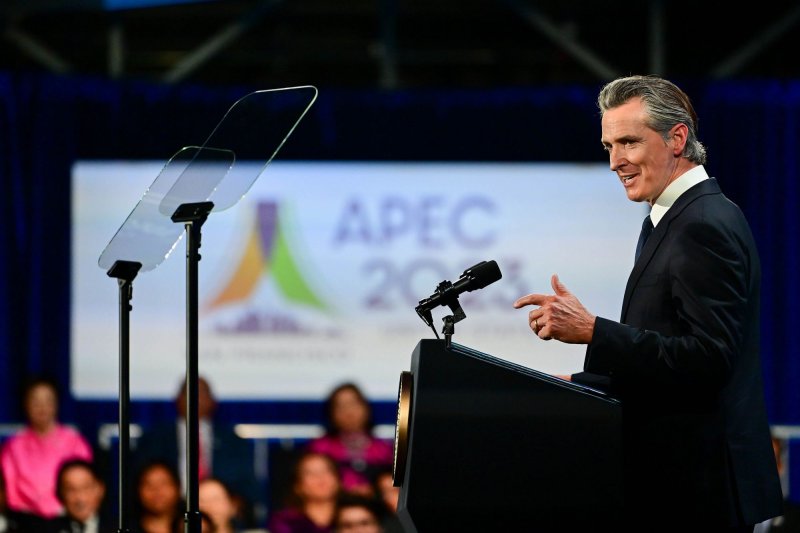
(665,104)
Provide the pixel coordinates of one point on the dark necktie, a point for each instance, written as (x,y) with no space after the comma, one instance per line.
(647,229)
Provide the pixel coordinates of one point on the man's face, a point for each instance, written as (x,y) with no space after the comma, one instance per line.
(81,492)
(643,160)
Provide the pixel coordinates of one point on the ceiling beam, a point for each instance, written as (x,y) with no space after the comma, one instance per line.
(218,42)
(388,50)
(116,50)
(746,53)
(37,51)
(556,34)
(657,61)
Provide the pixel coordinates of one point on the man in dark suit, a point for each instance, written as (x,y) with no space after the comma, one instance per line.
(81,490)
(684,357)
(223,454)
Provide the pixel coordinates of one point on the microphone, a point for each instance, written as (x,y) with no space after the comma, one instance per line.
(474,278)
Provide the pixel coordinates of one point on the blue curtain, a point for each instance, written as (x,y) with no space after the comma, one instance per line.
(48,122)
(752,129)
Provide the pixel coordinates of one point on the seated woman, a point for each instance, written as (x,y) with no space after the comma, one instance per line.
(311,505)
(30,459)
(217,503)
(159,507)
(349,440)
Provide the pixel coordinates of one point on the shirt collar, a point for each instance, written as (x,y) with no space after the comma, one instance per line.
(92,525)
(674,190)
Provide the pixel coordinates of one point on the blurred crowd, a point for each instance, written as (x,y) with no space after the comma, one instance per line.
(339,482)
(51,480)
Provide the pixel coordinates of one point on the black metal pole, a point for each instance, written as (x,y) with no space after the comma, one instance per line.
(125,272)
(193,216)
(192,424)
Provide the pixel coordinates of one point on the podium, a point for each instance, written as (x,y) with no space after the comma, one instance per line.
(483,444)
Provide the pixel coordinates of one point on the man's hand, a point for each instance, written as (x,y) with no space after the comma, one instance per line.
(560,316)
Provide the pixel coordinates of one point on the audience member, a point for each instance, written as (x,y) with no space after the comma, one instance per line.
(223,454)
(389,496)
(31,458)
(311,504)
(80,488)
(349,441)
(216,502)
(10,521)
(358,514)
(206,524)
(159,507)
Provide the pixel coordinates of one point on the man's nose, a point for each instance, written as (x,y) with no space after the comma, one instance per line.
(615,159)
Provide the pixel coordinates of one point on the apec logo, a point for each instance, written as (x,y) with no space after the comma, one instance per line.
(267,252)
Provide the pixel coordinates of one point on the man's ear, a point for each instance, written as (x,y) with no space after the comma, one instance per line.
(678,136)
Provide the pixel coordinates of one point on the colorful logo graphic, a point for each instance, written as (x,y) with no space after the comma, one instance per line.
(266,255)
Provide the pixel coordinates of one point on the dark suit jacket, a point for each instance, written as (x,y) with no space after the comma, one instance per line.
(788,522)
(684,359)
(17,522)
(64,524)
(232,457)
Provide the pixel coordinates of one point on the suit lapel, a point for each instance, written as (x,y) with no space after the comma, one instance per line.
(709,186)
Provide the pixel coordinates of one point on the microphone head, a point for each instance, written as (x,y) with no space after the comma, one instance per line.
(483,274)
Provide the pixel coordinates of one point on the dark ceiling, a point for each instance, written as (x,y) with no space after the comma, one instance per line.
(400,44)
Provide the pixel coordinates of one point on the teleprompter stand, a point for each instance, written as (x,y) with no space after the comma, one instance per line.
(193,183)
(125,272)
(193,216)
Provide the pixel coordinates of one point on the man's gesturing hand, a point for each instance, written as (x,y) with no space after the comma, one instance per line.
(560,316)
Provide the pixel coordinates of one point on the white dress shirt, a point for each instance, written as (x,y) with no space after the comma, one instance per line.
(674,190)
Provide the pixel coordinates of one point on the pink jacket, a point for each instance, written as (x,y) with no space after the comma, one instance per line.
(30,464)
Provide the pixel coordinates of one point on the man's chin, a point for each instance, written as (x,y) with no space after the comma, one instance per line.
(633,196)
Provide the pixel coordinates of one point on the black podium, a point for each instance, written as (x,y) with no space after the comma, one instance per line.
(486,445)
